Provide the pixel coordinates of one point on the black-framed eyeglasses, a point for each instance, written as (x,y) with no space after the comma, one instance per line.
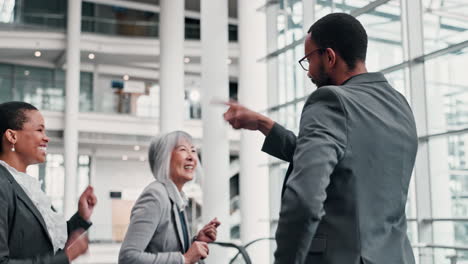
(304,62)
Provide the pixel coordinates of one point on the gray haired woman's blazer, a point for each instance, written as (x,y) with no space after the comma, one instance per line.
(154,235)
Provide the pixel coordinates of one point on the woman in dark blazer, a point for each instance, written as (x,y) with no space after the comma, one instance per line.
(31,232)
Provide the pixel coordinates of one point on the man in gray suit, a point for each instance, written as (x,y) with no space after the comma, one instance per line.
(344,196)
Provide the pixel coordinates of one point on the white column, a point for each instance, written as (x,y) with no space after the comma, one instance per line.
(414,43)
(253,181)
(215,145)
(308,14)
(72,102)
(272,46)
(274,181)
(171,37)
(308,18)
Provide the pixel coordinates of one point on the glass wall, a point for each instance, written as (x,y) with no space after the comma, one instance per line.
(45,89)
(445,23)
(42,87)
(96,18)
(446,92)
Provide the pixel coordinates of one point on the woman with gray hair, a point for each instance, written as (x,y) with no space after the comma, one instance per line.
(158,230)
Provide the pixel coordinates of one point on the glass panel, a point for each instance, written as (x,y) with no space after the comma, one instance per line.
(281,28)
(54,180)
(192,28)
(447,92)
(7,11)
(5,90)
(383,26)
(84,162)
(289,22)
(36,86)
(448,256)
(114,20)
(325,7)
(449,183)
(86,92)
(445,23)
(6,70)
(6,84)
(96,18)
(48,14)
(148,105)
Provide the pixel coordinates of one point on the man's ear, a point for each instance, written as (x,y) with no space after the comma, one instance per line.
(331,57)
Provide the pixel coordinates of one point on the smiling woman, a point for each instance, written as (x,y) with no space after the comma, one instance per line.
(29,214)
(159,231)
(27,138)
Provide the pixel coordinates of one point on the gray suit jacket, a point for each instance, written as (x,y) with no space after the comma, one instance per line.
(24,238)
(154,235)
(344,198)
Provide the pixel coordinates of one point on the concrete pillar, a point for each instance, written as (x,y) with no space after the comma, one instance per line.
(171,37)
(253,179)
(215,144)
(72,103)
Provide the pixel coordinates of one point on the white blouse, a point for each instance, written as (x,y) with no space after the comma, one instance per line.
(56,224)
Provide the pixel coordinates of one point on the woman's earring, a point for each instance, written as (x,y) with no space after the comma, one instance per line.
(13,148)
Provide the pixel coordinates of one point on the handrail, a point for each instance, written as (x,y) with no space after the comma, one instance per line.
(422,245)
(241,250)
(250,243)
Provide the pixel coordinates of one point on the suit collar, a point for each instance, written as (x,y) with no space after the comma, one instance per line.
(177,204)
(369,77)
(25,198)
(176,197)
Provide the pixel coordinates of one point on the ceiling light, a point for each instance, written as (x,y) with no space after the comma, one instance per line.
(194,95)
(229,61)
(136,148)
(91,56)
(126,77)
(37,53)
(186,60)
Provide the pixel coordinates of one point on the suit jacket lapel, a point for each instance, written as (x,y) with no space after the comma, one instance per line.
(189,230)
(27,201)
(288,172)
(175,212)
(180,233)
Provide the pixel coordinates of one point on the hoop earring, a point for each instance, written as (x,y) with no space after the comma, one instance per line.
(13,148)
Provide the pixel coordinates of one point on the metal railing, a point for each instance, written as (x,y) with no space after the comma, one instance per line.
(241,251)
(249,244)
(108,26)
(452,258)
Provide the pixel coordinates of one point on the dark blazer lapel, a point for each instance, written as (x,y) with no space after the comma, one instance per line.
(25,198)
(180,234)
(189,229)
(286,177)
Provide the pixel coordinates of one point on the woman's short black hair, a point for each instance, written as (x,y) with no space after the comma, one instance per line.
(344,34)
(13,116)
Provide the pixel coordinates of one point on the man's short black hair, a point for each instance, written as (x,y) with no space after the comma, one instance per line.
(13,116)
(344,34)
